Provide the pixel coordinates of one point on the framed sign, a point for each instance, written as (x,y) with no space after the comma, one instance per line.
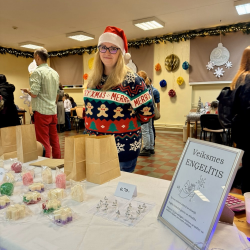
(198,191)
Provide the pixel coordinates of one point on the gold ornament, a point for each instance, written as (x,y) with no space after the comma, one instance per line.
(180,80)
(172,62)
(91,62)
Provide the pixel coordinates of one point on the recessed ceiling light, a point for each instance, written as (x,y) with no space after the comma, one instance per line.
(242,6)
(31,45)
(149,23)
(80,36)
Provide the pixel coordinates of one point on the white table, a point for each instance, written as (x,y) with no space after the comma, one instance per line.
(92,232)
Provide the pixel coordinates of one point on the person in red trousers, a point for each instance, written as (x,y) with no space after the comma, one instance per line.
(44,89)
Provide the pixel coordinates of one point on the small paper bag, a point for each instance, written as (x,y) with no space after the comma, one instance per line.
(102,163)
(8,147)
(26,143)
(75,158)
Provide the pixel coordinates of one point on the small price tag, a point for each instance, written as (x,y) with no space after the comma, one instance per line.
(2,172)
(126,191)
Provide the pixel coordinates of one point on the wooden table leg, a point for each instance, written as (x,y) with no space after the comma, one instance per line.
(195,130)
(24,119)
(188,129)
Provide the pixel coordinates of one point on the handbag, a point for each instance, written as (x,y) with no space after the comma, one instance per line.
(156,111)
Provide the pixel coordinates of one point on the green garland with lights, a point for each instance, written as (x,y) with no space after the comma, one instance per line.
(188,35)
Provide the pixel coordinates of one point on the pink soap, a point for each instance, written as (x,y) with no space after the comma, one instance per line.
(17,167)
(27,178)
(61,181)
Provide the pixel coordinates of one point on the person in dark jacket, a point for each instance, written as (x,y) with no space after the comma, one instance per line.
(241,120)
(8,112)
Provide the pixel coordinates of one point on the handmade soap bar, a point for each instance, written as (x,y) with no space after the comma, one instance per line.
(16,167)
(7,188)
(9,177)
(63,216)
(31,197)
(37,187)
(27,178)
(51,206)
(4,202)
(77,193)
(47,176)
(56,193)
(61,180)
(15,212)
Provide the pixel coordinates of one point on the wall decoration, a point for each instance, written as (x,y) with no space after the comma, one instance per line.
(163,83)
(91,63)
(157,67)
(85,76)
(180,80)
(188,35)
(219,57)
(219,72)
(171,93)
(185,65)
(172,62)
(132,66)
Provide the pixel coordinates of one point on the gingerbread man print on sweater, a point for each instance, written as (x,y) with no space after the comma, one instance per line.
(118,111)
(132,111)
(89,107)
(102,110)
(145,111)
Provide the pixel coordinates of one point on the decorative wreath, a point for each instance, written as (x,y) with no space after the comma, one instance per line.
(185,65)
(171,93)
(157,67)
(85,76)
(180,80)
(163,83)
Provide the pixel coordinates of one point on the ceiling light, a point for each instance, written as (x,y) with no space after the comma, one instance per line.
(242,6)
(80,36)
(149,23)
(31,45)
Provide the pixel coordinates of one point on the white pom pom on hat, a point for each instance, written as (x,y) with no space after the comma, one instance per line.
(117,37)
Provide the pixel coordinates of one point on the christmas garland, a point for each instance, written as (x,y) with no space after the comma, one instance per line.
(244,27)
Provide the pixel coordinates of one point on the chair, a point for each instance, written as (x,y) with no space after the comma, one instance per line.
(210,123)
(79,118)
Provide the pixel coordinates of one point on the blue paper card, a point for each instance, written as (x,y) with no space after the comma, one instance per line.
(126,191)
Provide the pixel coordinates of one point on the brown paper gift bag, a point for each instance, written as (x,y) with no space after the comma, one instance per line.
(26,143)
(75,158)
(8,148)
(102,163)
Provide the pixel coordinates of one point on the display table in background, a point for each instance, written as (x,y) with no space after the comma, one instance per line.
(193,116)
(92,232)
(21,113)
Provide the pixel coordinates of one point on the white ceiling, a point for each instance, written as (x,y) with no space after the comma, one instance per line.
(48,21)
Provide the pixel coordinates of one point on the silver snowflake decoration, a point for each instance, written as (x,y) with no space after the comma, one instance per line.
(136,145)
(210,65)
(228,65)
(219,72)
(120,147)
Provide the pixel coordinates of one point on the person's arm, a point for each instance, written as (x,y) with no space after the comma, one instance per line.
(29,93)
(158,106)
(35,84)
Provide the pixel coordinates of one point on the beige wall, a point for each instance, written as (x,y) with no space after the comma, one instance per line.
(172,109)
(16,71)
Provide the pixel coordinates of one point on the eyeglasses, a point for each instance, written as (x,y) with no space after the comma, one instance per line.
(112,50)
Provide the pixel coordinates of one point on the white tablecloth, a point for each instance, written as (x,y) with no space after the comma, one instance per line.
(92,232)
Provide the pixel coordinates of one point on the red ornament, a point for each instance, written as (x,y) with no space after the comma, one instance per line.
(171,93)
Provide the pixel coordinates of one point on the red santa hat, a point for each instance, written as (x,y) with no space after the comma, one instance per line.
(117,37)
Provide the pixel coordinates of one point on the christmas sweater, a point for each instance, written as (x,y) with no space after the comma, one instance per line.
(120,112)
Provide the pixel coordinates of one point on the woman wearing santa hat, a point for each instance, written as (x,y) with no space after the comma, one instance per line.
(117,100)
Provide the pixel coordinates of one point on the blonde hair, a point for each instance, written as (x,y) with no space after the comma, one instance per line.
(114,79)
(144,75)
(244,67)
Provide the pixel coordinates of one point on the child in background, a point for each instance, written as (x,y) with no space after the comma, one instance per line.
(67,107)
(214,108)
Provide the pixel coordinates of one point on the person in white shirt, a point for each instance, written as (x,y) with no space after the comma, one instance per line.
(67,107)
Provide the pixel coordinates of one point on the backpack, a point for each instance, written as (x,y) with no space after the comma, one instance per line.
(226,113)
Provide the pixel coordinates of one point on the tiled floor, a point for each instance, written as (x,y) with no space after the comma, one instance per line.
(162,164)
